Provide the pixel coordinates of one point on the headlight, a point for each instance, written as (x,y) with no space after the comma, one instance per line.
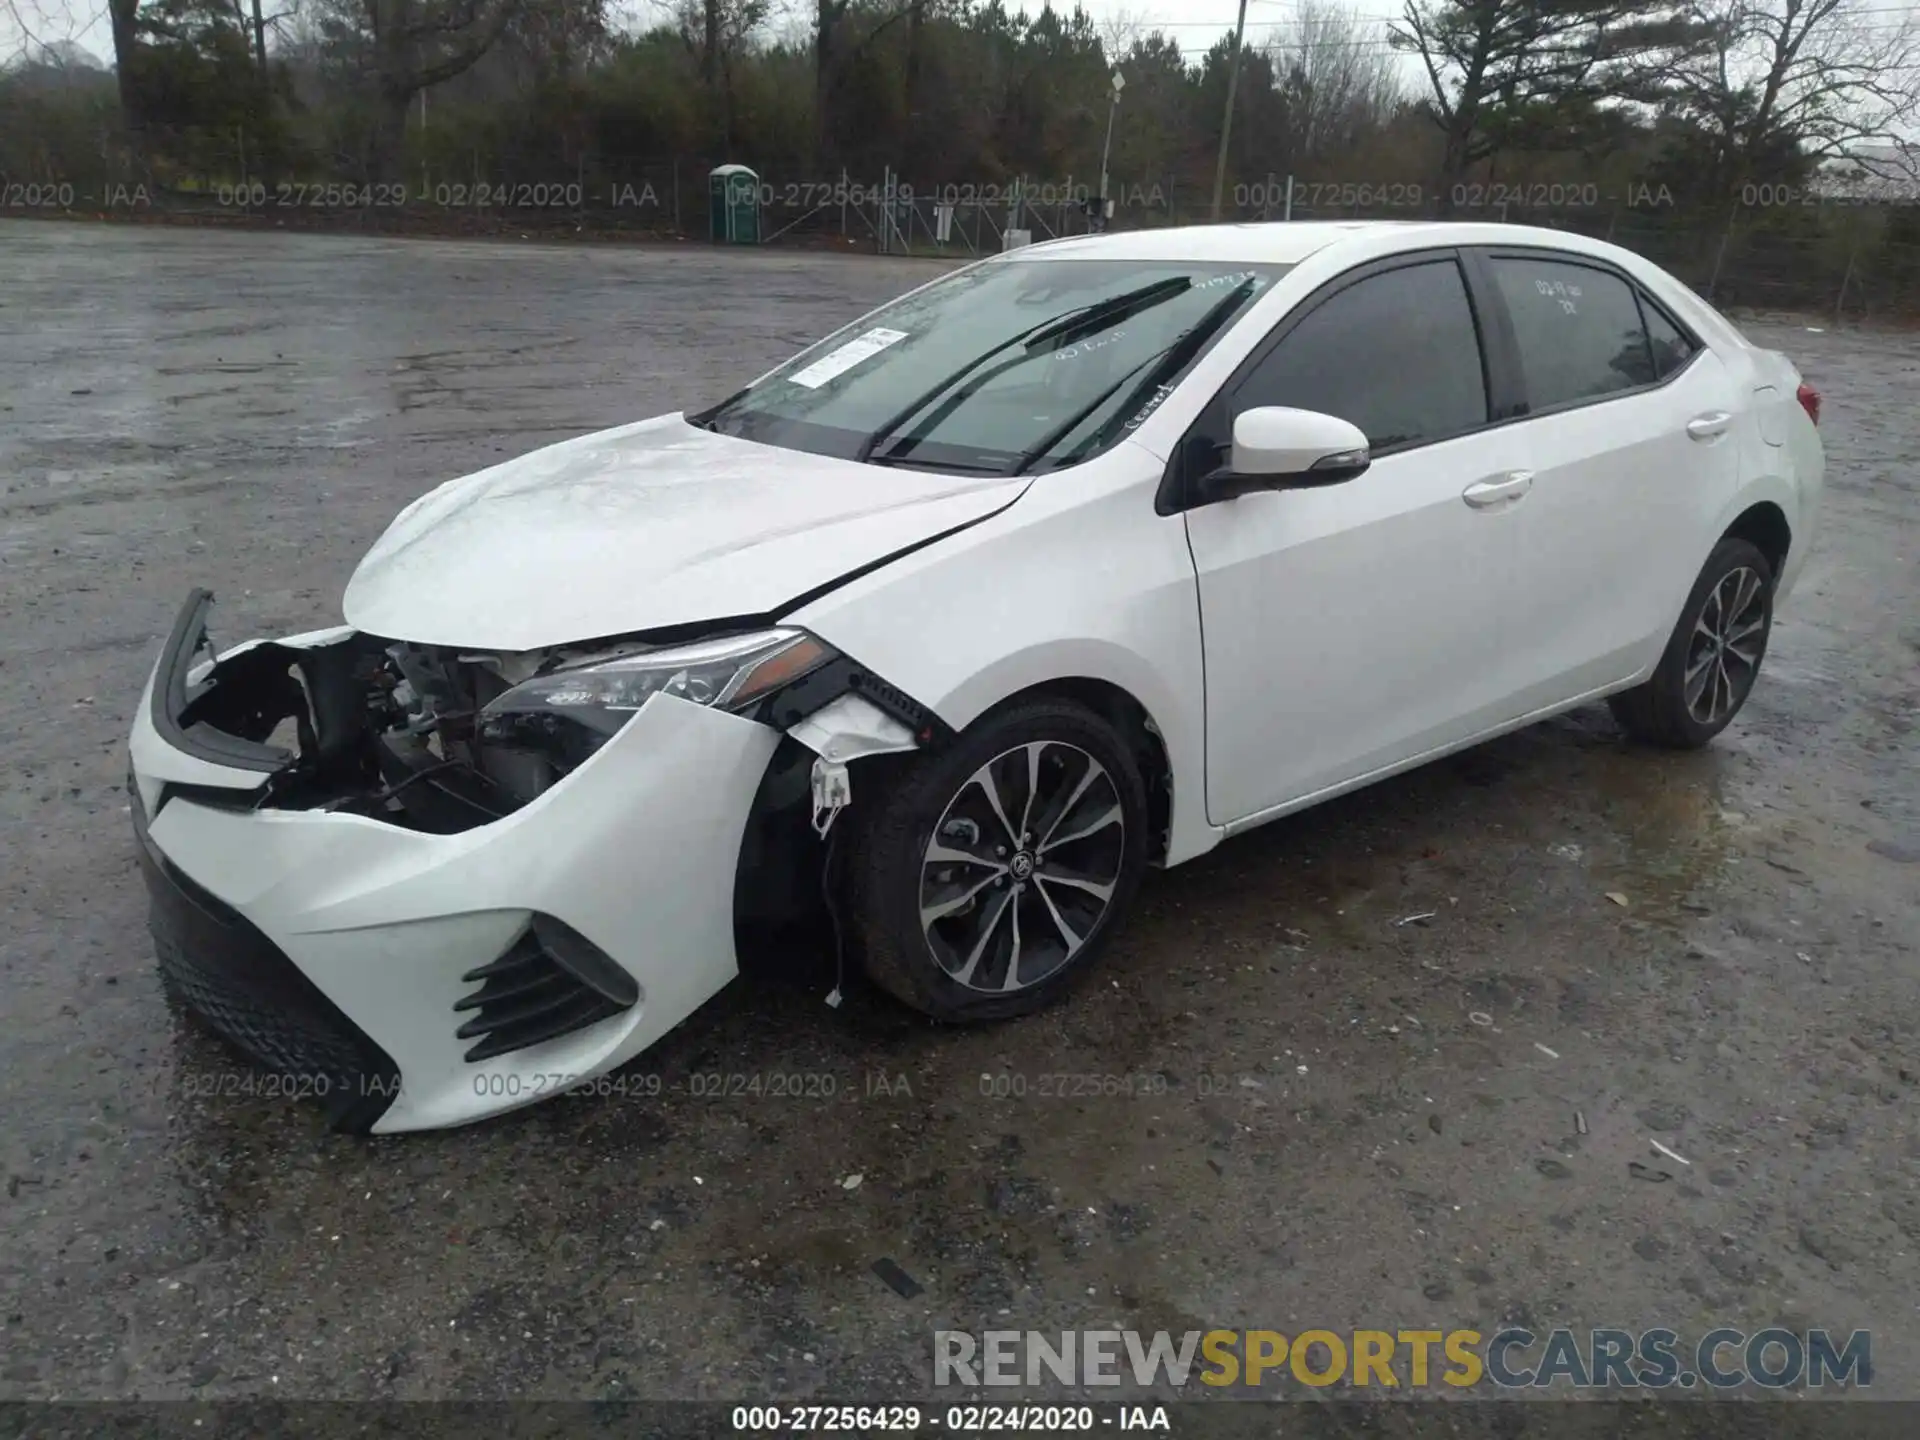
(568,714)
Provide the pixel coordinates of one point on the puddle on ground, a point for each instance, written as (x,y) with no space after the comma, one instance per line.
(1670,829)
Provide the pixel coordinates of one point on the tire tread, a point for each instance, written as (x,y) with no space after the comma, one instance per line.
(1655,711)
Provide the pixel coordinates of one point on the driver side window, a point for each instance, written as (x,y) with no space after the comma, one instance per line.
(1396,353)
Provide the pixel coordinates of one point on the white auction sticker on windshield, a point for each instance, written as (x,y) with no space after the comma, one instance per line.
(843,358)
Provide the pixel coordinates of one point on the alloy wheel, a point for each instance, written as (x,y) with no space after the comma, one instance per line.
(1022,866)
(1723,654)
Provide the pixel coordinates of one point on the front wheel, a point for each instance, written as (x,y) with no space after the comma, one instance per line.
(991,873)
(1713,656)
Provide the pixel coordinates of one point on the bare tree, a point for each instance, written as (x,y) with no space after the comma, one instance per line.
(912,80)
(1823,77)
(1118,29)
(1338,83)
(34,26)
(407,46)
(123,16)
(714,31)
(828,16)
(834,48)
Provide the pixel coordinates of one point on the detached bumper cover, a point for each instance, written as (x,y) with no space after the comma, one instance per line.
(337,945)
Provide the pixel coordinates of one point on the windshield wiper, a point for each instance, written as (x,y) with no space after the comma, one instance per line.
(1026,458)
(1172,360)
(1091,319)
(1074,325)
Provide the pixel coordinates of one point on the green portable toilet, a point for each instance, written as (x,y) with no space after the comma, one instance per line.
(733,205)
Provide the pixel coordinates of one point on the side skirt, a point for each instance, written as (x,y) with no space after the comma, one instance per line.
(1506,727)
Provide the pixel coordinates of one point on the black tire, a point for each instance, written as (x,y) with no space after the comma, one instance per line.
(889,862)
(1659,710)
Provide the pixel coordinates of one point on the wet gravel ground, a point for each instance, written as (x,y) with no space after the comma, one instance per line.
(1348,1118)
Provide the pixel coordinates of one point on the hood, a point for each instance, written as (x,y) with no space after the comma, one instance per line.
(646,526)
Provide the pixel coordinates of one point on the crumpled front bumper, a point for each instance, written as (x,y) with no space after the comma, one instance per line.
(306,933)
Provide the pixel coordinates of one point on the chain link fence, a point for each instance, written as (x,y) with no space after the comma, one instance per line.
(1782,251)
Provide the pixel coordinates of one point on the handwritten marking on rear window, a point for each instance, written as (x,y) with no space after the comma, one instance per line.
(1563,292)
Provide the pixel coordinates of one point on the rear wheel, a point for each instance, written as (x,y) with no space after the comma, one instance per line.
(991,873)
(1713,656)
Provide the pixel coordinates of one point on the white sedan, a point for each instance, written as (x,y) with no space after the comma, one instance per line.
(1079,560)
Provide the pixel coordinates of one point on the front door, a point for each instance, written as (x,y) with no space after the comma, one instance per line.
(1350,627)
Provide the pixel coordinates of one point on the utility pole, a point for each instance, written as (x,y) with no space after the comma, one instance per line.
(1106,150)
(259,39)
(1226,120)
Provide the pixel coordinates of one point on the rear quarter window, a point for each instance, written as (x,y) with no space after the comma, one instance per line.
(1670,348)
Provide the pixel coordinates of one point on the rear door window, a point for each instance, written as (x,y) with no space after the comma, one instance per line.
(1578,330)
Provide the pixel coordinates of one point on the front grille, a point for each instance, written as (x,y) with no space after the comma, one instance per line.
(225,970)
(551,981)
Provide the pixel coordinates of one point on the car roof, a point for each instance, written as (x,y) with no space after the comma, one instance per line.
(1284,242)
(1335,244)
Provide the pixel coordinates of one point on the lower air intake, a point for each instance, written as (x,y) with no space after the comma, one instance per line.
(550,982)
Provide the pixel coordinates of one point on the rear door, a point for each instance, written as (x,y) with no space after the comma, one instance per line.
(1350,627)
(1630,427)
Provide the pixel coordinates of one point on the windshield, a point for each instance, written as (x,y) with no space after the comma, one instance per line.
(1011,366)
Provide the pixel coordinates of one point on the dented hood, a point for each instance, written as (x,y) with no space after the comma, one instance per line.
(649,525)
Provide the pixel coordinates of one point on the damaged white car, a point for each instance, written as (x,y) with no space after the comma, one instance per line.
(1070,563)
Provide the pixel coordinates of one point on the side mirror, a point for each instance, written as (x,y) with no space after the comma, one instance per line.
(1276,447)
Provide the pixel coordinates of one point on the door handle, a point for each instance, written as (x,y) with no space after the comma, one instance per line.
(1709,425)
(1494,490)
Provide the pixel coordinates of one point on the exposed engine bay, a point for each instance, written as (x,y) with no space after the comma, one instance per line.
(431,739)
(390,730)
(440,762)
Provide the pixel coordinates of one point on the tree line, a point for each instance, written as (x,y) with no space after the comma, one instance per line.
(1699,101)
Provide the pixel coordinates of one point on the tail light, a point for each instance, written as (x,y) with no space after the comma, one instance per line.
(1809,399)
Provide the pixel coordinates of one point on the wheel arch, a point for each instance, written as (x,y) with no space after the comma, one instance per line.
(1123,710)
(1111,680)
(1764,525)
(777,885)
